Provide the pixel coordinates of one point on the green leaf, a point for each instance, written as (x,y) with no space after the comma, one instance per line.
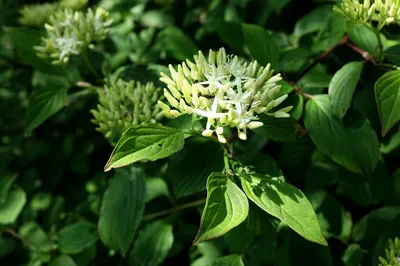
(277,129)
(63,260)
(363,37)
(24,40)
(153,244)
(230,33)
(392,145)
(294,60)
(230,260)
(189,174)
(12,206)
(177,43)
(122,209)
(77,237)
(156,187)
(284,202)
(330,34)
(205,253)
(261,45)
(387,93)
(333,219)
(393,54)
(5,186)
(48,97)
(370,226)
(313,21)
(342,87)
(226,207)
(355,148)
(36,235)
(353,255)
(145,142)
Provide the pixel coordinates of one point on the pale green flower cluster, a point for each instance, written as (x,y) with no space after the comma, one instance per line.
(124,104)
(36,14)
(392,254)
(226,90)
(384,11)
(71,32)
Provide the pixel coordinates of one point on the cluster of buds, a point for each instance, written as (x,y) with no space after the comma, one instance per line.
(392,254)
(226,90)
(36,14)
(124,104)
(384,11)
(71,33)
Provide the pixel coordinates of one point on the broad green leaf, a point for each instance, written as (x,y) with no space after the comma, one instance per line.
(230,33)
(342,87)
(363,37)
(294,60)
(63,260)
(315,81)
(278,5)
(156,18)
(353,255)
(393,54)
(277,129)
(261,45)
(153,244)
(369,228)
(387,93)
(24,40)
(156,187)
(356,147)
(177,43)
(48,97)
(230,260)
(392,145)
(41,201)
(75,238)
(12,206)
(189,174)
(207,253)
(5,185)
(330,34)
(122,209)
(333,219)
(313,21)
(145,142)
(36,235)
(226,207)
(284,202)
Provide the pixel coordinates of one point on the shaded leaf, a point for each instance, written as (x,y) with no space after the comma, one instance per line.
(177,43)
(152,245)
(77,237)
(230,260)
(63,260)
(189,175)
(355,148)
(342,87)
(5,185)
(122,209)
(260,44)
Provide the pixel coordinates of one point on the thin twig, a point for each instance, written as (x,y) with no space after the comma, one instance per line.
(174,209)
(322,57)
(20,237)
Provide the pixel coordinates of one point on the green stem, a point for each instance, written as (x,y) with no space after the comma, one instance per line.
(174,209)
(89,65)
(80,94)
(226,161)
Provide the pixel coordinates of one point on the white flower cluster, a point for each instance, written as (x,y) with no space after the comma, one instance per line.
(70,33)
(226,90)
(384,11)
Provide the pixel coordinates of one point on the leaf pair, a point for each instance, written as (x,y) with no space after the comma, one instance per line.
(227,206)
